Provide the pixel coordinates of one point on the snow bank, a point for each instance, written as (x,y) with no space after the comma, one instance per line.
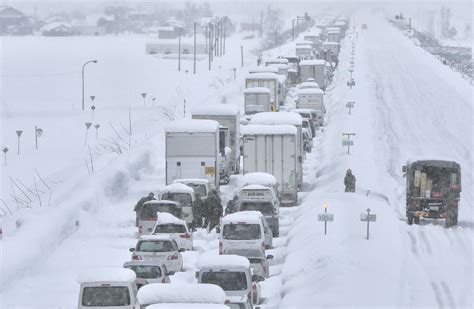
(258,129)
(223,261)
(278,118)
(313,62)
(192,125)
(180,293)
(260,76)
(215,109)
(107,274)
(187,306)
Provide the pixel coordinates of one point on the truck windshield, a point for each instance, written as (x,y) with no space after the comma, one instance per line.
(266,208)
(155,246)
(170,228)
(227,280)
(241,231)
(433,181)
(105,296)
(183,198)
(145,271)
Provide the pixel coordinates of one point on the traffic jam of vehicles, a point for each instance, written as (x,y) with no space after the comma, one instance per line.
(264,147)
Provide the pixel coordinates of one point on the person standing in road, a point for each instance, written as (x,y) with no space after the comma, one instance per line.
(214,210)
(231,205)
(138,206)
(198,212)
(350,181)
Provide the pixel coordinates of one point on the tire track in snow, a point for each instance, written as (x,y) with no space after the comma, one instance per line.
(414,245)
(425,242)
(448,294)
(437,294)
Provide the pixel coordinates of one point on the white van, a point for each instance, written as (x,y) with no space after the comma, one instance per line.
(245,230)
(200,186)
(102,288)
(167,224)
(183,194)
(180,293)
(149,210)
(148,272)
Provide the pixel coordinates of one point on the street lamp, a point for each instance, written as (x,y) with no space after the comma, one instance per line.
(298,18)
(83,67)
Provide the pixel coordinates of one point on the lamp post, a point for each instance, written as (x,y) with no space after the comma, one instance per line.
(83,67)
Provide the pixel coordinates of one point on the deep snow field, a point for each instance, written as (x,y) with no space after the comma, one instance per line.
(407,106)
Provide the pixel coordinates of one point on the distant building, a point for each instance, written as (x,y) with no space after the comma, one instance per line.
(57,28)
(88,30)
(14,22)
(168,32)
(167,47)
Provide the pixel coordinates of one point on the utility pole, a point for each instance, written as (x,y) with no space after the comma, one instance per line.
(225,29)
(241,56)
(179,47)
(209,47)
(194,49)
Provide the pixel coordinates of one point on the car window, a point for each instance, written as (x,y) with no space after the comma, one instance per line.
(148,212)
(170,208)
(102,296)
(255,260)
(198,189)
(227,280)
(155,246)
(266,208)
(145,271)
(241,231)
(170,228)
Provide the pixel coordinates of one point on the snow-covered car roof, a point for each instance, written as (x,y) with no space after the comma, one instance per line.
(243,216)
(310,91)
(259,178)
(276,60)
(264,129)
(156,237)
(177,187)
(192,125)
(188,306)
(167,218)
(276,118)
(107,274)
(216,109)
(255,187)
(262,76)
(257,90)
(308,85)
(262,69)
(313,62)
(248,253)
(304,47)
(180,293)
(162,202)
(222,261)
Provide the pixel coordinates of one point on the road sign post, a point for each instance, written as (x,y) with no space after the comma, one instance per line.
(5,150)
(18,133)
(350,106)
(368,217)
(325,217)
(38,133)
(348,142)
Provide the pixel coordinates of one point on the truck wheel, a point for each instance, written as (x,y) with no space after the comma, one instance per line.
(417,220)
(455,218)
(409,220)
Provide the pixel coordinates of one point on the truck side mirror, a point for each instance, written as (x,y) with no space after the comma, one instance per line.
(404,168)
(300,159)
(257,278)
(269,257)
(131,249)
(196,274)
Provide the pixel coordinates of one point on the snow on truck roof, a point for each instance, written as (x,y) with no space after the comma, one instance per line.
(262,76)
(276,118)
(257,90)
(302,110)
(255,187)
(243,216)
(304,46)
(222,261)
(191,180)
(216,109)
(262,69)
(257,129)
(166,218)
(192,125)
(259,178)
(180,187)
(176,293)
(108,274)
(276,60)
(310,91)
(313,62)
(187,306)
(308,85)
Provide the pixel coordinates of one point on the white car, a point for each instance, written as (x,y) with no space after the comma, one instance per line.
(258,261)
(200,186)
(167,224)
(148,272)
(159,248)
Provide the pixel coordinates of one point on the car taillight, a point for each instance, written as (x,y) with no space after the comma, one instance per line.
(163,280)
(173,257)
(140,229)
(221,247)
(187,235)
(136,257)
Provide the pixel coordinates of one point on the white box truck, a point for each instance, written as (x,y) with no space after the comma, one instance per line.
(315,68)
(273,149)
(257,100)
(192,150)
(228,116)
(268,80)
(311,98)
(286,118)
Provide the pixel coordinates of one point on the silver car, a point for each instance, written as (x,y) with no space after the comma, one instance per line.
(148,272)
(258,261)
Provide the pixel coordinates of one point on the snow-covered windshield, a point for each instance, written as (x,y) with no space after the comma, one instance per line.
(183,198)
(145,271)
(266,208)
(255,260)
(105,296)
(170,228)
(155,246)
(227,280)
(241,231)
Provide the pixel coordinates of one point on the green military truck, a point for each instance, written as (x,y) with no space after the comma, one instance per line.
(433,190)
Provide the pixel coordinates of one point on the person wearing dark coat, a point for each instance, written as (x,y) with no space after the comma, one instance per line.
(138,206)
(231,205)
(214,210)
(350,181)
(198,209)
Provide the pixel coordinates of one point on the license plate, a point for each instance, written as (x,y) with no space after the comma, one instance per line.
(434,207)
